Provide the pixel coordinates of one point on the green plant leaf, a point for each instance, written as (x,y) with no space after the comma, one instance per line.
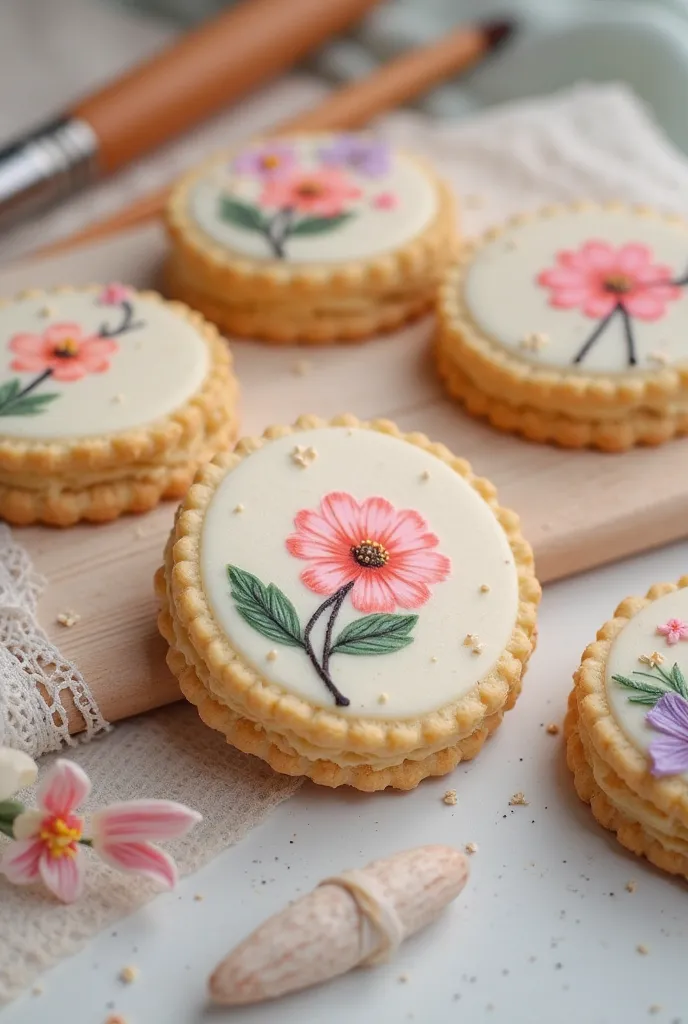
(266,609)
(241,214)
(9,390)
(31,405)
(636,684)
(375,634)
(319,225)
(678,681)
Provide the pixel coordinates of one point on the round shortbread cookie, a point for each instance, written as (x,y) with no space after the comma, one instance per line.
(630,719)
(311,220)
(576,313)
(108,397)
(380,612)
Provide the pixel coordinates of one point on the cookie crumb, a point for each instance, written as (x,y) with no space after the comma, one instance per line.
(471,847)
(631,886)
(534,341)
(382,698)
(484,588)
(37,990)
(449,798)
(518,800)
(552,729)
(403,978)
(425,475)
(198,897)
(654,1009)
(238,508)
(478,648)
(303,457)
(118,399)
(642,949)
(301,367)
(271,655)
(653,660)
(129,974)
(661,358)
(45,311)
(473,641)
(68,618)
(434,659)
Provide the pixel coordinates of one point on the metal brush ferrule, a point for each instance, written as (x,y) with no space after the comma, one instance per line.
(48,165)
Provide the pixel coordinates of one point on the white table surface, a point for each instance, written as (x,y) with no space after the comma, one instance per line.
(545,932)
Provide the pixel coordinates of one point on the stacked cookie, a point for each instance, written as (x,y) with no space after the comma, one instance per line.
(310,238)
(571,325)
(371,626)
(110,399)
(627,726)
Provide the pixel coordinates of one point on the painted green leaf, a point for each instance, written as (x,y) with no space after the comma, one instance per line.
(9,390)
(375,634)
(241,214)
(266,609)
(30,405)
(319,225)
(679,681)
(637,684)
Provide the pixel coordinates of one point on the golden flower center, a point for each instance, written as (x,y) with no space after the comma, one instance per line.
(310,189)
(370,554)
(61,837)
(66,349)
(618,284)
(270,161)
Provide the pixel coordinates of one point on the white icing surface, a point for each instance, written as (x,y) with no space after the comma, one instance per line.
(272,489)
(370,232)
(640,637)
(155,369)
(507,303)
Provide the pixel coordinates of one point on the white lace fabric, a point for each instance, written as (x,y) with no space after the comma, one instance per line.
(592,141)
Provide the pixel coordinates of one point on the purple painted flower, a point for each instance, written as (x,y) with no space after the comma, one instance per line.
(370,157)
(669,752)
(270,160)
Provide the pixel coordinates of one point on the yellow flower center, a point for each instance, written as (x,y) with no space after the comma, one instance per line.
(370,554)
(60,837)
(618,284)
(67,348)
(270,161)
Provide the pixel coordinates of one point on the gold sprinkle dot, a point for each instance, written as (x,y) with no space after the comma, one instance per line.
(553,729)
(271,655)
(484,588)
(238,508)
(434,659)
(198,897)
(470,639)
(425,475)
(382,698)
(642,949)
(129,974)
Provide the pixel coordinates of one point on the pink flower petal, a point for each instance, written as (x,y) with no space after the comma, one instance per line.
(64,876)
(408,532)
(68,370)
(568,298)
(27,344)
(561,277)
(372,593)
(57,333)
(408,591)
(29,364)
(343,514)
(136,820)
(632,258)
(326,577)
(599,304)
(141,859)
(644,305)
(426,566)
(64,787)
(377,519)
(598,256)
(20,860)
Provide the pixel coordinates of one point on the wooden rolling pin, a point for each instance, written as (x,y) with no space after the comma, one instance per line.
(352,106)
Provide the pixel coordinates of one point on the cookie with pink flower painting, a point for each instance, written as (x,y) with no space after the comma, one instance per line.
(350,232)
(379,612)
(587,342)
(628,725)
(89,379)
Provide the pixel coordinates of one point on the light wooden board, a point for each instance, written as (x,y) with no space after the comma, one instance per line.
(579,509)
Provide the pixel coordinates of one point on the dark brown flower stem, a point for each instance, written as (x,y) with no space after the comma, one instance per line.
(334,599)
(601,327)
(127,324)
(630,340)
(327,646)
(27,390)
(278,231)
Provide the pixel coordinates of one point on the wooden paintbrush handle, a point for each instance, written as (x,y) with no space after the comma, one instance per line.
(207,69)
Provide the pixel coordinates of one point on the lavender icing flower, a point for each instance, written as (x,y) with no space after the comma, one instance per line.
(369,157)
(669,752)
(271,160)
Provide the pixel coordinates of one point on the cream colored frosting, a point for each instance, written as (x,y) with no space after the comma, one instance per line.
(252,514)
(372,229)
(640,637)
(152,370)
(507,303)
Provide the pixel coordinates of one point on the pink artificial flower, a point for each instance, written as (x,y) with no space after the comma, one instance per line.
(64,349)
(387,553)
(47,839)
(674,630)
(114,294)
(121,835)
(385,201)
(599,277)
(323,193)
